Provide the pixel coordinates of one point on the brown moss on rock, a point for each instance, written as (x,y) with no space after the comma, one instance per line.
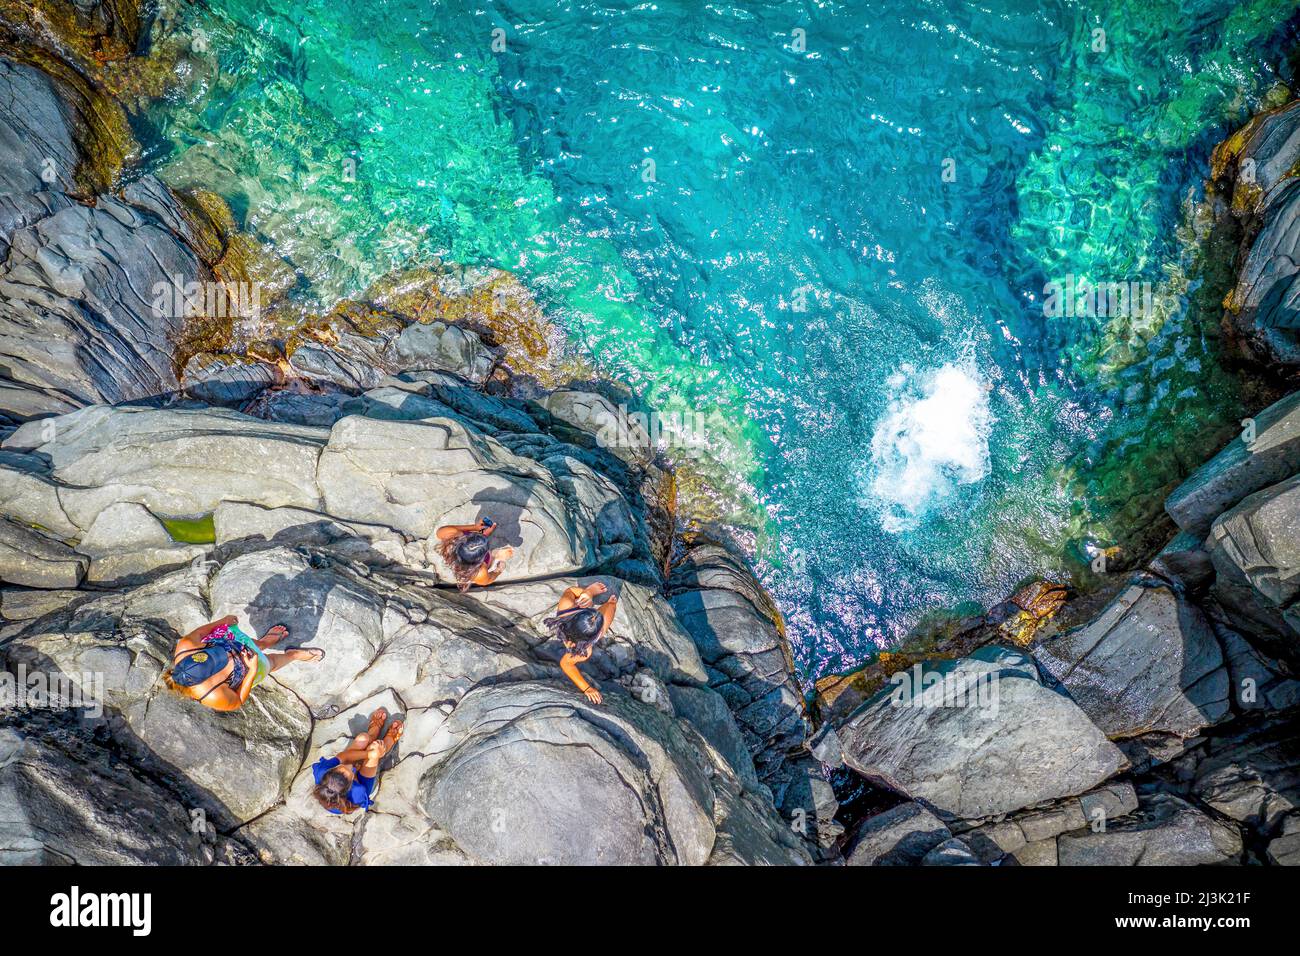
(491,302)
(99,125)
(84,34)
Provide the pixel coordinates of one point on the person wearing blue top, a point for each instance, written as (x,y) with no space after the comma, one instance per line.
(346,782)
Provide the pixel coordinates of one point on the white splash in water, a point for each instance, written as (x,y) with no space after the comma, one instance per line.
(933,437)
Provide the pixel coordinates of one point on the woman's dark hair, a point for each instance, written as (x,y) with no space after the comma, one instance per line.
(579,626)
(332,791)
(465,554)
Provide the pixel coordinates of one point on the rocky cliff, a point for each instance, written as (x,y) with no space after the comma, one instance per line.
(1155,720)
(163,467)
(150,482)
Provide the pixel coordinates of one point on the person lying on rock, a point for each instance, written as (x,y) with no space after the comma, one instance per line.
(579,624)
(347,782)
(465,549)
(219,665)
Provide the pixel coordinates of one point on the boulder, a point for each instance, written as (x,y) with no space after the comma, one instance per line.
(436,346)
(1256,552)
(977,736)
(612,428)
(1240,469)
(1165,831)
(1148,662)
(900,836)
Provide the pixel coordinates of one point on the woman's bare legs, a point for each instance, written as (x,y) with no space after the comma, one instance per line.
(356,750)
(312,654)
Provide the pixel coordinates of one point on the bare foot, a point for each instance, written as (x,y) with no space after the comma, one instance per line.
(273,636)
(310,654)
(377,721)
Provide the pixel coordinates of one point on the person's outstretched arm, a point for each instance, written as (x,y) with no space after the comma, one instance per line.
(483,527)
(569,664)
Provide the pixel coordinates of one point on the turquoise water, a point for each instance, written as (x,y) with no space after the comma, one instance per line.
(826,227)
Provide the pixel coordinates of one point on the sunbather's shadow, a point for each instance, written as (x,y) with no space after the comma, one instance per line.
(297,602)
(505,514)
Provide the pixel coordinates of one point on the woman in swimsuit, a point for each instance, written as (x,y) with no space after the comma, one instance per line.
(347,782)
(219,665)
(580,624)
(465,549)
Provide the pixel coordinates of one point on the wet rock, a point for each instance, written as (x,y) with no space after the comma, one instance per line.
(990,738)
(1256,552)
(1165,831)
(1148,662)
(901,836)
(436,346)
(1240,469)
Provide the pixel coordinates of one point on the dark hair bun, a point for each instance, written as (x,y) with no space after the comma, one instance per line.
(585,624)
(472,549)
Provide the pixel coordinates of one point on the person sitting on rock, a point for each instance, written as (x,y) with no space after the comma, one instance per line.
(347,782)
(219,665)
(465,549)
(579,624)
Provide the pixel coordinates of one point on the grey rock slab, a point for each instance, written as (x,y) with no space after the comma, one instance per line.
(985,736)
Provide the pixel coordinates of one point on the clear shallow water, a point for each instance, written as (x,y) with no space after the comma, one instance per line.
(915,432)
